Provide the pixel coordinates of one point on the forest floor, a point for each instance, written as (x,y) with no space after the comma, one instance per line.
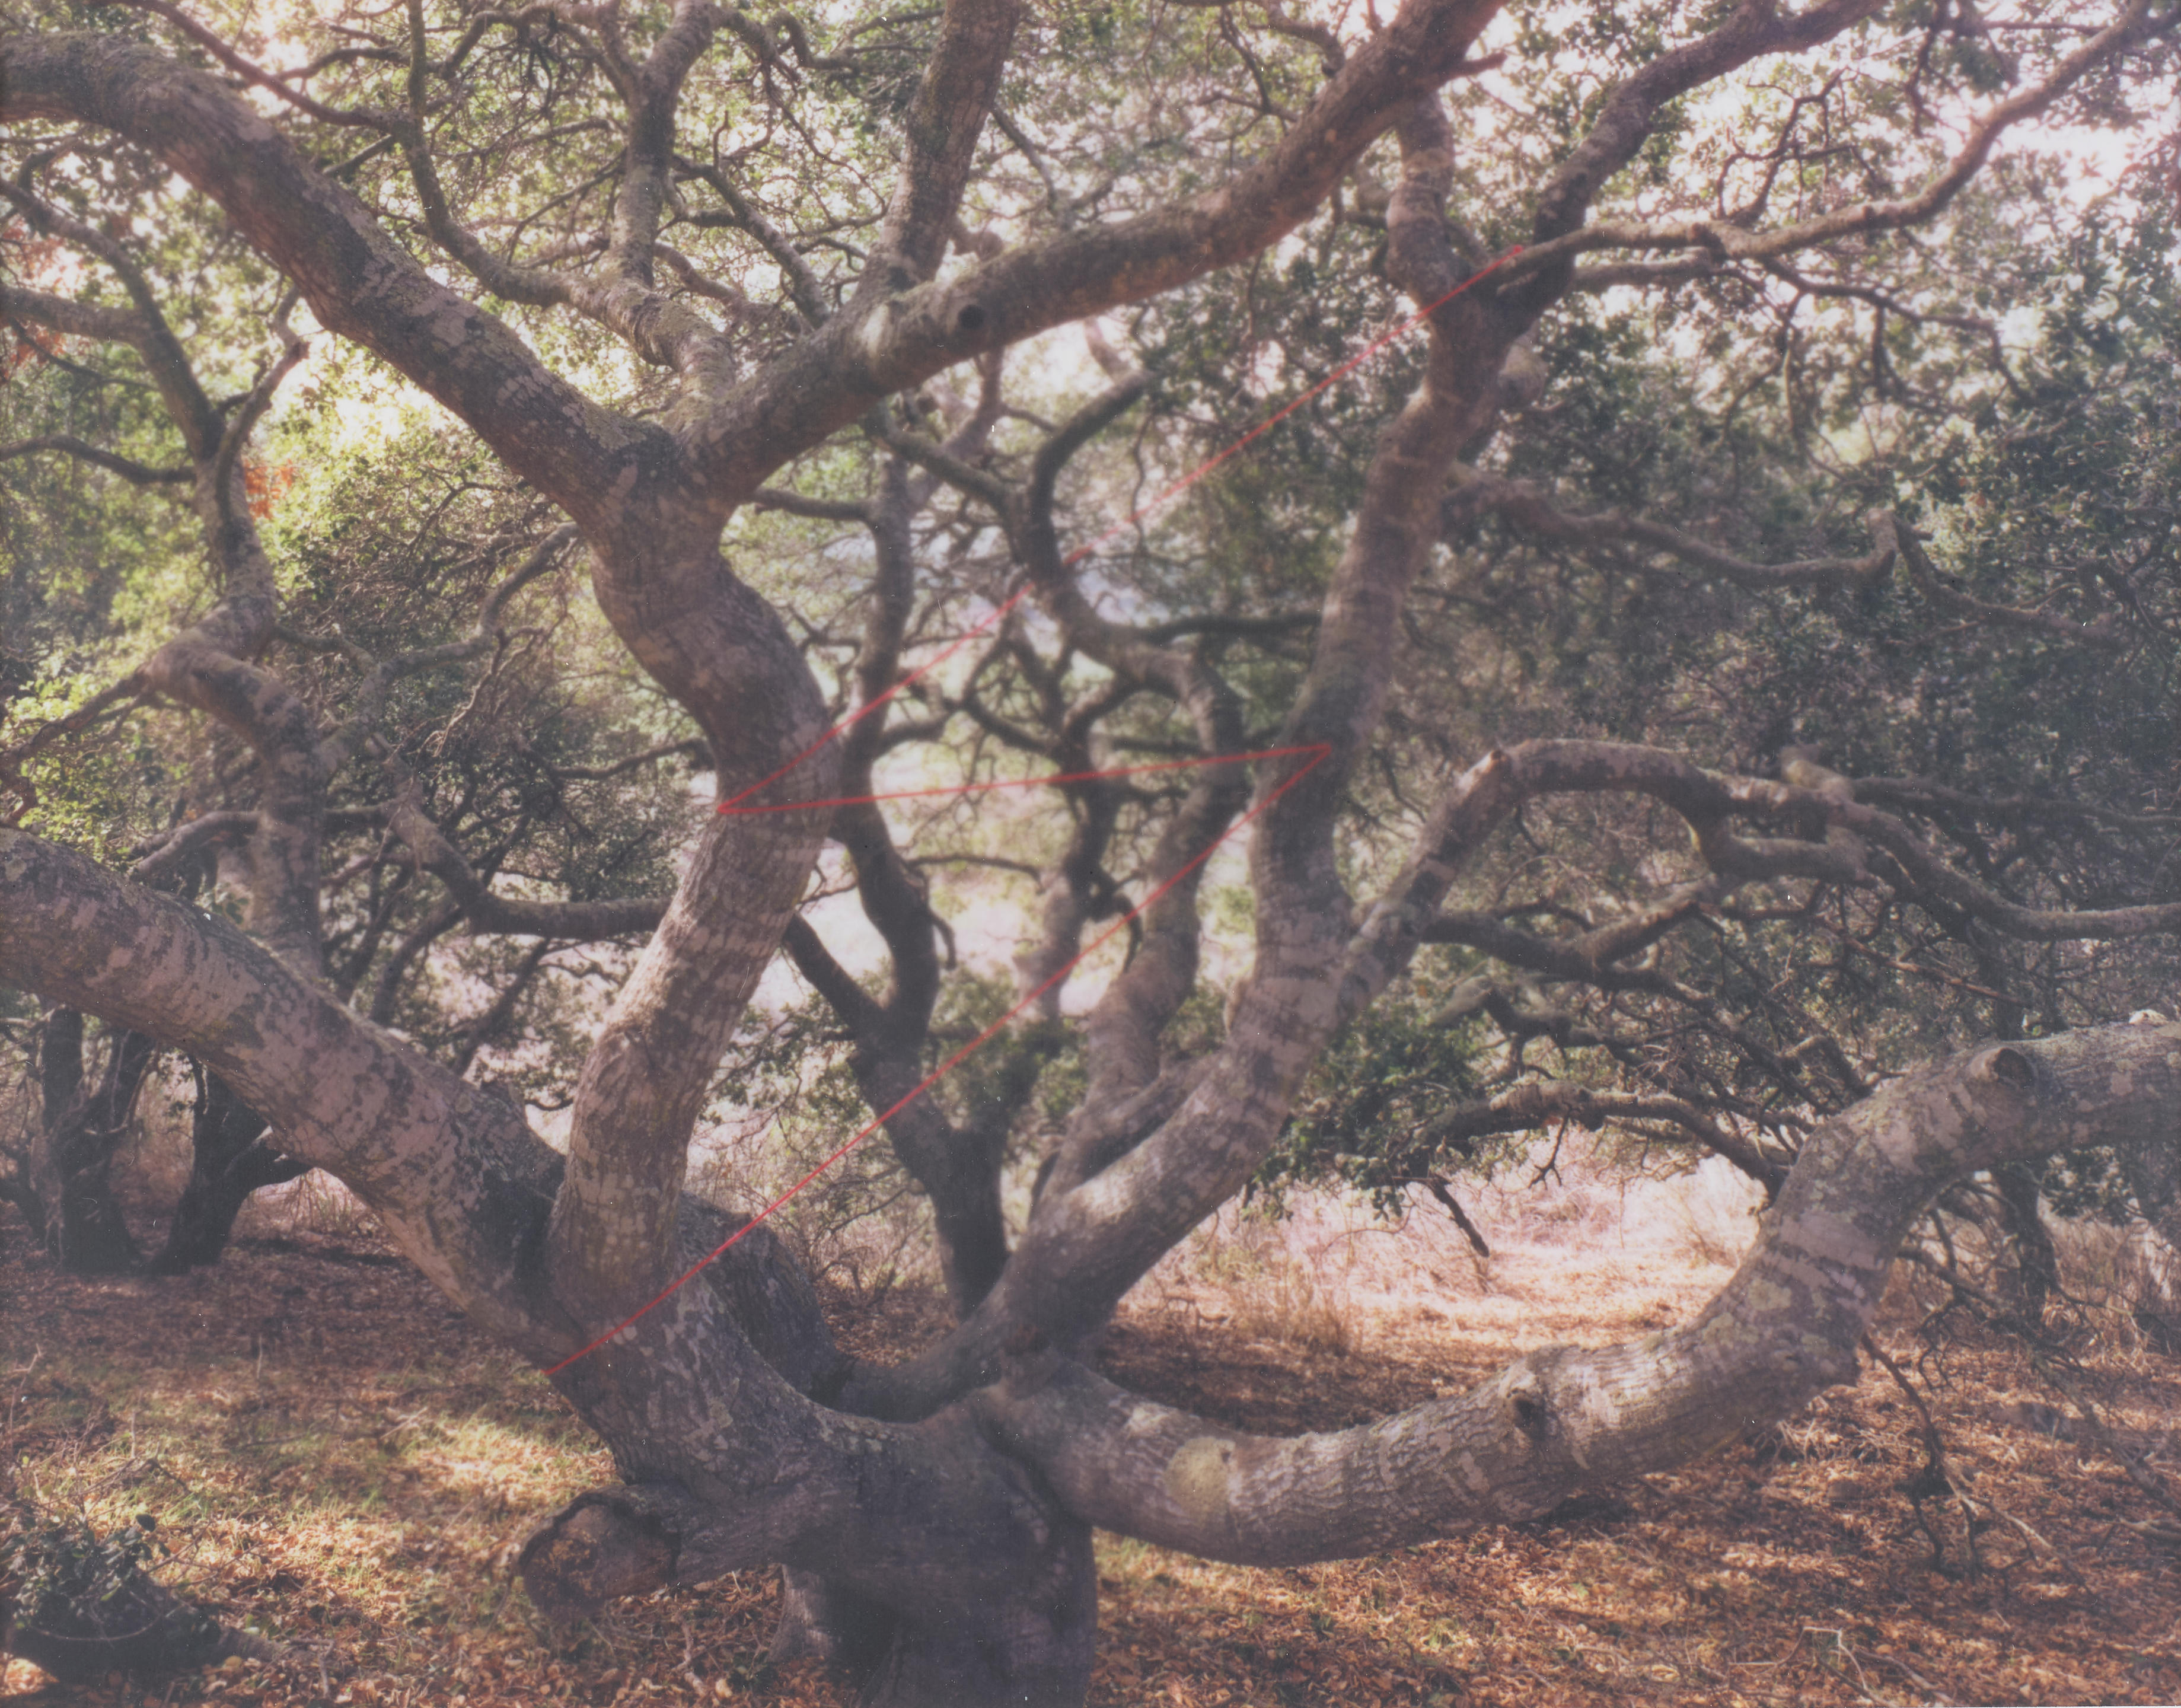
(335,1458)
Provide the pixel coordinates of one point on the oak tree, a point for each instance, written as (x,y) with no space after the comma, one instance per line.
(1686,538)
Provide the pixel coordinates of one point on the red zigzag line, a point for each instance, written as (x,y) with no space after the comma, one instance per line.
(1316,751)
(1056,777)
(1180,486)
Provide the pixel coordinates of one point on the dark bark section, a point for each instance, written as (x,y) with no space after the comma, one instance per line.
(229,1160)
(2153,1173)
(1028,1639)
(958,1166)
(65,1187)
(1032,1650)
(820,1621)
(2036,1261)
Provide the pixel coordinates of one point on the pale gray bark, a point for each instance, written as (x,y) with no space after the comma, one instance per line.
(946,1504)
(1566,1419)
(1554,1423)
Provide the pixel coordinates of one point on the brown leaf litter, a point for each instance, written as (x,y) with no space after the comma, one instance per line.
(333,1457)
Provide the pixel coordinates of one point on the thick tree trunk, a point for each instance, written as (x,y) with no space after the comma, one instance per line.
(1032,1650)
(68,1194)
(2036,1261)
(826,1622)
(1014,1625)
(228,1161)
(1035,1652)
(970,1526)
(948,1551)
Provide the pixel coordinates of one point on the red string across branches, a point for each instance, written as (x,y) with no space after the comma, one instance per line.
(1312,754)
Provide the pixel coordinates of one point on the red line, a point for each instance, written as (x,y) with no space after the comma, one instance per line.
(1129,521)
(1026,781)
(1271,421)
(865,710)
(1317,753)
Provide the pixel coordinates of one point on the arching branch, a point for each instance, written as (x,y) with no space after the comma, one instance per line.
(135,474)
(2134,25)
(1565,1420)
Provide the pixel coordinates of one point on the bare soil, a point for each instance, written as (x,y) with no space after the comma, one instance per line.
(333,1457)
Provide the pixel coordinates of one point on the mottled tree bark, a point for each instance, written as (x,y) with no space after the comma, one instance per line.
(66,1188)
(936,1516)
(1566,1419)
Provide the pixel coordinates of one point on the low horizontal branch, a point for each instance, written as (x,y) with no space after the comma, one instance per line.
(1536,1104)
(134,472)
(1709,800)
(509,915)
(1565,1419)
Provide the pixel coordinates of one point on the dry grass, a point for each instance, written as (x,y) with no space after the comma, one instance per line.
(1291,1305)
(335,1458)
(2123,1284)
(1255,1280)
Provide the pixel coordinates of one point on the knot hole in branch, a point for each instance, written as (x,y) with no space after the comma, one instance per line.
(598,1550)
(1532,1416)
(2010,1067)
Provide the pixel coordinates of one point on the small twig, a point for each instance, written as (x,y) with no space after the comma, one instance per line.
(1939,1698)
(2065,1564)
(2086,1416)
(1935,1463)
(22,1394)
(2007,1313)
(689,1658)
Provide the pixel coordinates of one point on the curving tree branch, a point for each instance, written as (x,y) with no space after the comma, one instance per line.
(1723,241)
(1561,1421)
